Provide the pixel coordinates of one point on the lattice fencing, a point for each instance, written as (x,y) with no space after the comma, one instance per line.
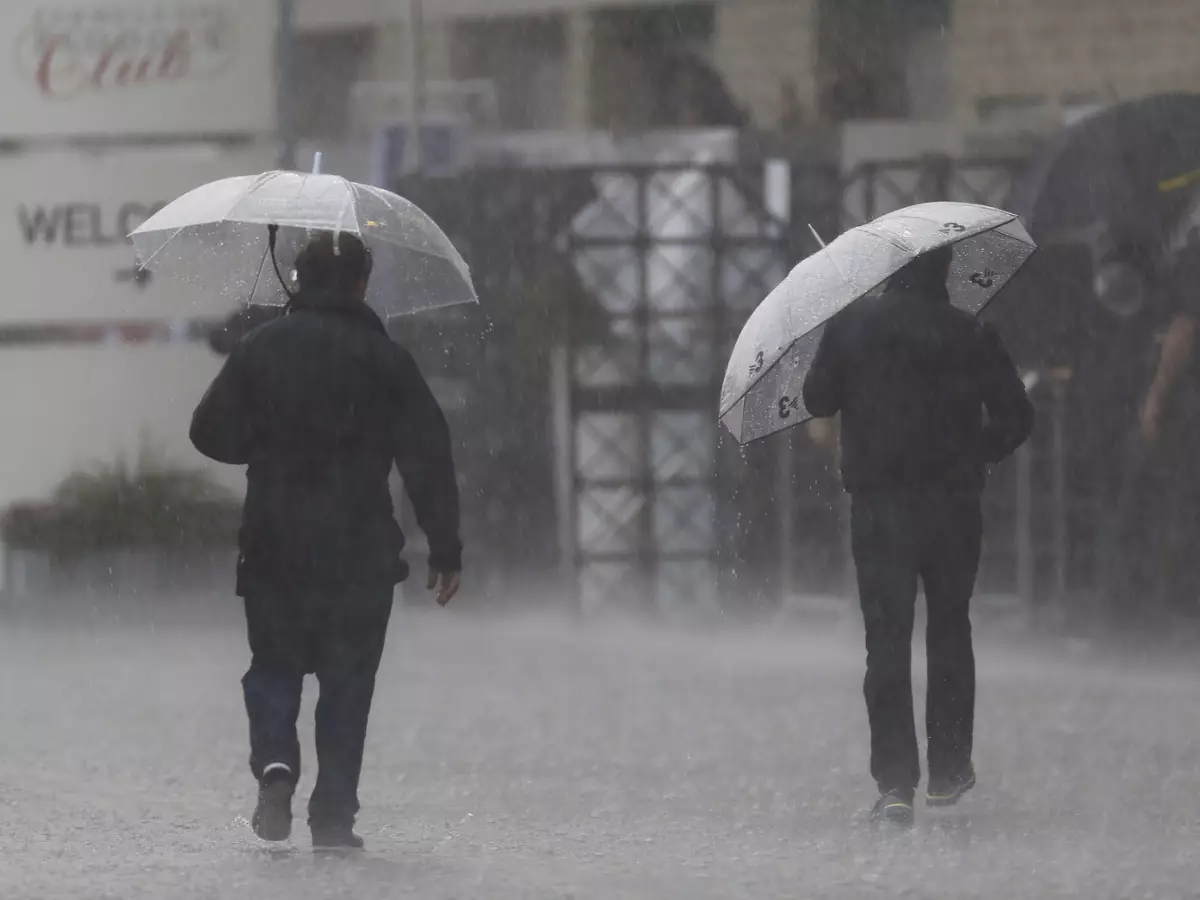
(608,455)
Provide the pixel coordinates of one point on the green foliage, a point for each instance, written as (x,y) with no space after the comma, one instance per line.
(547,313)
(146,506)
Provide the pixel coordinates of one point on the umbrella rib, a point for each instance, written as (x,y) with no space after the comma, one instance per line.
(891,238)
(253,186)
(380,194)
(262,263)
(352,201)
(163,246)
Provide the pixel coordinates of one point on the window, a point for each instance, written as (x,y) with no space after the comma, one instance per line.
(653,69)
(884,59)
(525,58)
(327,64)
(674,25)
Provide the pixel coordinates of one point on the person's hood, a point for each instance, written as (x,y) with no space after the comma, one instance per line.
(925,290)
(924,277)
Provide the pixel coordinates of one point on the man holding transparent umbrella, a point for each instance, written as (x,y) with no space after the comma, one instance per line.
(319,404)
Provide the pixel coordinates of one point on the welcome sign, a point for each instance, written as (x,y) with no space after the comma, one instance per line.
(64,244)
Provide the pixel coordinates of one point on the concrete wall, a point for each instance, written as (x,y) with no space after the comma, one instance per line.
(1057,48)
(767,51)
(389,57)
(765,48)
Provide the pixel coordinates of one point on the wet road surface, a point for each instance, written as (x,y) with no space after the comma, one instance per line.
(523,759)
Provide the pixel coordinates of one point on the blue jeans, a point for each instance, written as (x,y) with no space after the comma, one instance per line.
(338,634)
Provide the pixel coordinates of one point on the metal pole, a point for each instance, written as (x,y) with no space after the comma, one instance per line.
(564,439)
(285,65)
(785,501)
(777,195)
(1024,526)
(1061,531)
(416,52)
(648,556)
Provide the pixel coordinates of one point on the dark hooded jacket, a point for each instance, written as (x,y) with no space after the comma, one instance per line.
(318,405)
(927,392)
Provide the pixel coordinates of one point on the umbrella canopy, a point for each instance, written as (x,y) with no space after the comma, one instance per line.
(761,391)
(227,234)
(1120,171)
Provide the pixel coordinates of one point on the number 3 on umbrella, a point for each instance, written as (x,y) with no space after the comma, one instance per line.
(787,405)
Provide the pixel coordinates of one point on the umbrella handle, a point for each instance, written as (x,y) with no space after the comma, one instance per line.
(273,233)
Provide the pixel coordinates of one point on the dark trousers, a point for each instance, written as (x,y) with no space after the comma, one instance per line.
(898,537)
(338,634)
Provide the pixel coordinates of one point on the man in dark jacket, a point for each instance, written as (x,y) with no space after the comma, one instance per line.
(1158,515)
(223,339)
(319,404)
(912,377)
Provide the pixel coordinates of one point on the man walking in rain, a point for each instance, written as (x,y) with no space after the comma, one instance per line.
(319,404)
(928,396)
(1159,515)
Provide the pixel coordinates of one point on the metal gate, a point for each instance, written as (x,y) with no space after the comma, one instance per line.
(678,256)
(620,457)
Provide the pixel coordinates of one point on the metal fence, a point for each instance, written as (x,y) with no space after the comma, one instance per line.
(623,473)
(678,256)
(1045,529)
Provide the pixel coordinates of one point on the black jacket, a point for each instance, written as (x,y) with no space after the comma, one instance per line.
(319,404)
(912,377)
(222,340)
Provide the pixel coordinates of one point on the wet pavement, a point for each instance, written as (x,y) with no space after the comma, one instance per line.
(522,759)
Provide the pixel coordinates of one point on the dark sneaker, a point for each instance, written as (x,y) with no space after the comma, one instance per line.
(272,819)
(893,809)
(335,838)
(947,791)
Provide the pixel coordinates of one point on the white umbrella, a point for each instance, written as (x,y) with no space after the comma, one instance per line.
(761,391)
(232,235)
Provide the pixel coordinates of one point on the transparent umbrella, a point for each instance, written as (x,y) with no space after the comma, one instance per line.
(761,391)
(240,236)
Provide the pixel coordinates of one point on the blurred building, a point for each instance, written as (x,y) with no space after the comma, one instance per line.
(994,70)
(553,82)
(113,107)
(1024,61)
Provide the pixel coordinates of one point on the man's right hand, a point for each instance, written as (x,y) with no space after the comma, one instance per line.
(446,584)
(1177,349)
(1151,420)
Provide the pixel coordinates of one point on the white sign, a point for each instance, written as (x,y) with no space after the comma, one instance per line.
(71,408)
(64,246)
(137,67)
